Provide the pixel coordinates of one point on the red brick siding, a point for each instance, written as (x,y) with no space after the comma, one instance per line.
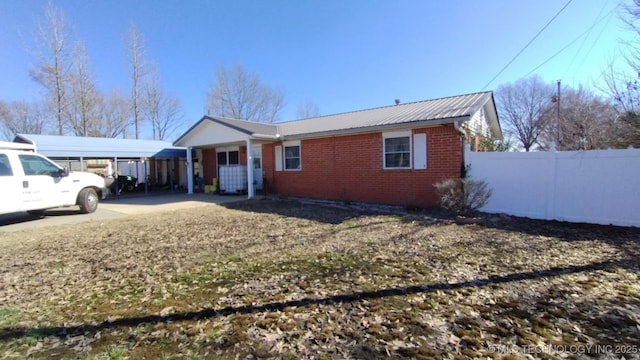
(350,168)
(209,167)
(243,155)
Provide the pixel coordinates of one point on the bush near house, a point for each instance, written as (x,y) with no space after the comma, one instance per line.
(462,196)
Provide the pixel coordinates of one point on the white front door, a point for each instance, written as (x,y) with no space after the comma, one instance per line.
(256,154)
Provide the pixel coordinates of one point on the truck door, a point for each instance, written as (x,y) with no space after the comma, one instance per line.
(11,187)
(42,186)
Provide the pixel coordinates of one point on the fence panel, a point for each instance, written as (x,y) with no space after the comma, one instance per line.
(595,186)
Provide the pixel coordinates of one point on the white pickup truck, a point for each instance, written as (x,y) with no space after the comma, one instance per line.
(30,182)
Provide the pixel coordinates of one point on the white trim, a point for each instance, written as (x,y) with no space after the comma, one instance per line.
(292,143)
(279,165)
(227,148)
(397,134)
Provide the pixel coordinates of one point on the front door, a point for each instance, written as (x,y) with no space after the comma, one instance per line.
(256,154)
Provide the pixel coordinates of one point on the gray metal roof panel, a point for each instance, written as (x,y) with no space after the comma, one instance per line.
(437,109)
(93,147)
(246,126)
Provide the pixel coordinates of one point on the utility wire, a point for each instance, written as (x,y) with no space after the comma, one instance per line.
(527,45)
(575,56)
(571,42)
(584,58)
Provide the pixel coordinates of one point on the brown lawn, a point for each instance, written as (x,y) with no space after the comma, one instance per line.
(285,280)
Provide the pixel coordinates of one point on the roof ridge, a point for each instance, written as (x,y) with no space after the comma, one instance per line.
(386,106)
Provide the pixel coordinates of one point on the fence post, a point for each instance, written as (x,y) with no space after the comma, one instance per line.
(551,196)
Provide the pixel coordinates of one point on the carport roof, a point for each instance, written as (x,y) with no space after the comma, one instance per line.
(56,146)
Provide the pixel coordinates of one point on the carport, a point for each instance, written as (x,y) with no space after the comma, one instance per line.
(141,154)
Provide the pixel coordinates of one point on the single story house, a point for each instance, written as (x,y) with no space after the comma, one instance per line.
(390,155)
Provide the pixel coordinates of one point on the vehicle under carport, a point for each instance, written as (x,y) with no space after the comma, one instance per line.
(156,165)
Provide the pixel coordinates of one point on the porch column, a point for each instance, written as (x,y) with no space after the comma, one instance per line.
(250,189)
(189,171)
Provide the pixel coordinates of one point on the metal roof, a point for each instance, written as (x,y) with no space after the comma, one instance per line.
(56,146)
(427,112)
(443,110)
(249,127)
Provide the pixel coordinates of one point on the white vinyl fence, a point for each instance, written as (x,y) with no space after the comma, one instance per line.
(595,186)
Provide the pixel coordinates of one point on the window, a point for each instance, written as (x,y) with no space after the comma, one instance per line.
(397,150)
(222,158)
(234,157)
(292,155)
(35,165)
(5,166)
(228,156)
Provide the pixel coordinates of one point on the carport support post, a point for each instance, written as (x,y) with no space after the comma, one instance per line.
(189,170)
(115,177)
(250,188)
(145,162)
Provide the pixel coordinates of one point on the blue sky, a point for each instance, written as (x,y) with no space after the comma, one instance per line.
(343,55)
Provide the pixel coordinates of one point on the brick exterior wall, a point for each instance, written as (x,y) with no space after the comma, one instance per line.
(350,168)
(208,165)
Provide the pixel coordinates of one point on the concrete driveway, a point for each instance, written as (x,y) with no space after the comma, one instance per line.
(113,208)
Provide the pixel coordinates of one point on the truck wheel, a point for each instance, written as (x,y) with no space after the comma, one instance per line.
(88,200)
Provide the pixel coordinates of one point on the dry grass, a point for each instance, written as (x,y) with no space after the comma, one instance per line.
(284,280)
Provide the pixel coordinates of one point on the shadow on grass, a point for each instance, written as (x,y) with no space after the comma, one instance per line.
(322,213)
(335,212)
(626,239)
(64,331)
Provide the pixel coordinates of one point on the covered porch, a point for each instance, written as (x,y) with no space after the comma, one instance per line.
(227,154)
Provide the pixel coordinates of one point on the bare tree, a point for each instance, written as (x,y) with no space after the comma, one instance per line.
(523,107)
(307,109)
(137,72)
(84,110)
(586,121)
(163,110)
(240,94)
(53,61)
(22,117)
(623,86)
(115,114)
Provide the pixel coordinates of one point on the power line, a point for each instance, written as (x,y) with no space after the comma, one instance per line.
(527,45)
(571,42)
(587,37)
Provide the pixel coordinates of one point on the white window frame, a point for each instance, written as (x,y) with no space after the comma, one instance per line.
(287,144)
(392,135)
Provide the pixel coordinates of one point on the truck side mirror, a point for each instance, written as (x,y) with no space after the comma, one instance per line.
(64,172)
